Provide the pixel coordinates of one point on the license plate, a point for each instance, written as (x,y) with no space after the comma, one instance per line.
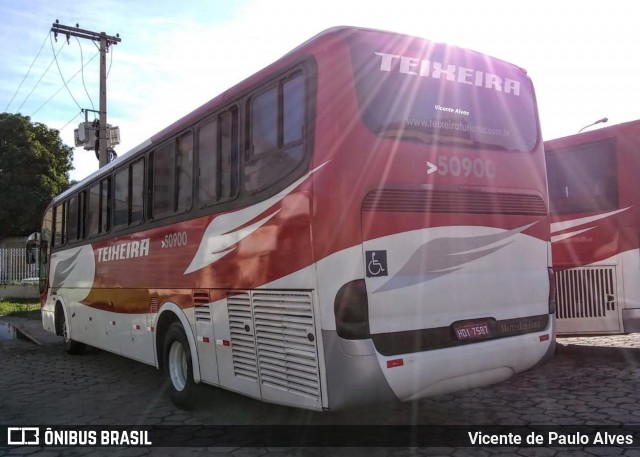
(472,330)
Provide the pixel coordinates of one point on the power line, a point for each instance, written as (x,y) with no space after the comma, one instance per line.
(28,71)
(60,71)
(62,87)
(71,120)
(39,80)
(82,69)
(110,62)
(106,41)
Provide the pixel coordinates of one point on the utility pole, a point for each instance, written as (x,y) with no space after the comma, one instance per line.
(105,41)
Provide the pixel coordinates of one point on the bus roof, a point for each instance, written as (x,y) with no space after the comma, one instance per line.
(592,135)
(317,41)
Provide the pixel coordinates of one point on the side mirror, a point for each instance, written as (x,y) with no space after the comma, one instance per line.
(33,244)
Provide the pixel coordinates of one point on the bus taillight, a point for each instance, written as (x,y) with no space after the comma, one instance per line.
(351,308)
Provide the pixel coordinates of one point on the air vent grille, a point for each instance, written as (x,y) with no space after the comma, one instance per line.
(243,346)
(286,343)
(465,201)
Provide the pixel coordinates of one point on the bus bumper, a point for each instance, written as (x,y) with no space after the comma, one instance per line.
(424,374)
(357,374)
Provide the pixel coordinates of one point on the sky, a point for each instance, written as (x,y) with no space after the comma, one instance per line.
(176,55)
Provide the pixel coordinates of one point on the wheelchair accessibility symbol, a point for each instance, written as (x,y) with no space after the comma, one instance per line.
(376,263)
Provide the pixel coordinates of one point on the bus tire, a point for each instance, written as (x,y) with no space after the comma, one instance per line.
(70,347)
(178,367)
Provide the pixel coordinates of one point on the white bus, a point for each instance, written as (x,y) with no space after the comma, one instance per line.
(363,220)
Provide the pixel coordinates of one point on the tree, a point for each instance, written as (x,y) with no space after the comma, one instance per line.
(34,167)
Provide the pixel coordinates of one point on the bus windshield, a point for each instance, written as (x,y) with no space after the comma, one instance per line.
(431,93)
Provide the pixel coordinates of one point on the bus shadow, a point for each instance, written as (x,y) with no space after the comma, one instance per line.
(568,348)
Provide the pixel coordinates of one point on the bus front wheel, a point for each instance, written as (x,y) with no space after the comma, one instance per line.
(178,367)
(71,347)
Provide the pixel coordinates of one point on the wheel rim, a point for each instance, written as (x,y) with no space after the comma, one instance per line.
(178,366)
(65,331)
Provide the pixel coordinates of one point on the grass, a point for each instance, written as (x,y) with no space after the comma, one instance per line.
(21,308)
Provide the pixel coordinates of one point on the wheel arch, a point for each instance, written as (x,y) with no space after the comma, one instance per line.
(168,314)
(60,314)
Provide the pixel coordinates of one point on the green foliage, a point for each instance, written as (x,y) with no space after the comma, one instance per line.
(34,167)
(20,308)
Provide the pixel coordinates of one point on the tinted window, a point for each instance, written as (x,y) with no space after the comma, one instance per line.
(228,163)
(583,178)
(137,192)
(184,172)
(277,126)
(163,179)
(431,93)
(293,110)
(207,163)
(264,122)
(93,210)
(218,159)
(121,197)
(72,221)
(59,225)
(105,191)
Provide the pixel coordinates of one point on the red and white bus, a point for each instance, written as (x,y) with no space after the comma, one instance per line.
(363,220)
(595,225)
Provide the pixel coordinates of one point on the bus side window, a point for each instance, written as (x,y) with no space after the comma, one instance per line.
(218,159)
(228,164)
(129,195)
(72,221)
(105,193)
(137,192)
(163,168)
(93,210)
(264,122)
(277,126)
(121,198)
(207,163)
(184,172)
(59,225)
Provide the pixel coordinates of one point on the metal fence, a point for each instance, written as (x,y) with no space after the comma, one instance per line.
(14,268)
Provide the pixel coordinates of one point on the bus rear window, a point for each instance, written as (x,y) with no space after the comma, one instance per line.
(583,178)
(425,92)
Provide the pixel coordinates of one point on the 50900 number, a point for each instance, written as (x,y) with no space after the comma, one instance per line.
(174,240)
(466,167)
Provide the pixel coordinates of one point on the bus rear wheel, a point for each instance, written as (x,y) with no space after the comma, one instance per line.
(178,367)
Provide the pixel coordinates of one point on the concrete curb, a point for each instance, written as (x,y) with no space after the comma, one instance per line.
(32,329)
